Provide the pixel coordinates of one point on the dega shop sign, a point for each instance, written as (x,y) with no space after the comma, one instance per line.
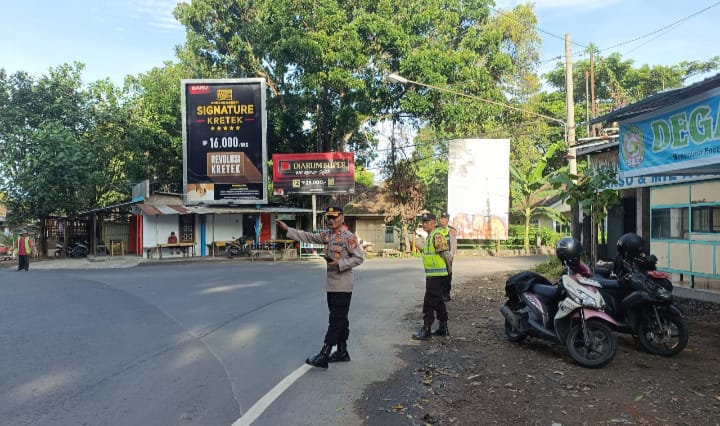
(672,139)
(224,149)
(314,173)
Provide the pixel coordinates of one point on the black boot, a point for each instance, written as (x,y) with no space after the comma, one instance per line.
(341,354)
(422,334)
(442,330)
(321,359)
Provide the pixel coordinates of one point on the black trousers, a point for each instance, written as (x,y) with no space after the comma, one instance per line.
(433,304)
(23,261)
(448,285)
(338,323)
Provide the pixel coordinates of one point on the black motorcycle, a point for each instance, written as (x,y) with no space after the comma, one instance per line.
(73,249)
(640,299)
(237,247)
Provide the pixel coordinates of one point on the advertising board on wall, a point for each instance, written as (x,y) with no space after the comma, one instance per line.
(675,140)
(314,173)
(224,141)
(479,188)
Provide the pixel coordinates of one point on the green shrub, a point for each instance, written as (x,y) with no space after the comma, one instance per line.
(8,241)
(551,269)
(549,237)
(516,236)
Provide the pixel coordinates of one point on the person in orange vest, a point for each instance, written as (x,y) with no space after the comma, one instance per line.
(25,248)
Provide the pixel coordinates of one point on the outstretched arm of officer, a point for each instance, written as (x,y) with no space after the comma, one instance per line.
(298,235)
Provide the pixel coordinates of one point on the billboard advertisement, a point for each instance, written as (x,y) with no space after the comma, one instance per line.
(479,188)
(224,141)
(314,173)
(678,138)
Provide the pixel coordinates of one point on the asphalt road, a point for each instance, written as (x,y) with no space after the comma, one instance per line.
(200,343)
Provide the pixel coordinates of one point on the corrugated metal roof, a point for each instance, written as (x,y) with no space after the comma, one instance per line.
(180,209)
(162,209)
(659,101)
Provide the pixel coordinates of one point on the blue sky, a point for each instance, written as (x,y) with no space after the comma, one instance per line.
(112,38)
(116,38)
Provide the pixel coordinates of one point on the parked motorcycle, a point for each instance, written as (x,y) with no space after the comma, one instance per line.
(641,301)
(570,313)
(74,249)
(237,247)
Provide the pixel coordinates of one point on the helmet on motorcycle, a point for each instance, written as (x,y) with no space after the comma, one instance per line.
(630,245)
(568,250)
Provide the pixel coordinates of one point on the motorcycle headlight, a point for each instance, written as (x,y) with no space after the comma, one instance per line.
(581,298)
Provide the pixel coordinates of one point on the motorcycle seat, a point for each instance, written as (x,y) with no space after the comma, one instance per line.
(607,283)
(546,292)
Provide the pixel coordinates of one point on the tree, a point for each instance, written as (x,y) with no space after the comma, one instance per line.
(529,188)
(364,177)
(590,192)
(431,156)
(156,145)
(325,62)
(618,82)
(407,193)
(48,162)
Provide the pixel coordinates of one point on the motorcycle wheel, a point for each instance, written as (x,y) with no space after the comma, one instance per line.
(665,339)
(512,334)
(601,348)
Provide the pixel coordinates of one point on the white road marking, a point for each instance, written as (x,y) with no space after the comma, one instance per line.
(263,403)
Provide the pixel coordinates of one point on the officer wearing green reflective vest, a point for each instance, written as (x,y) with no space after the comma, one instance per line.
(436,258)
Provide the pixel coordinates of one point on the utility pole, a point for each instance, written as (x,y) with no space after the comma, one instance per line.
(587,105)
(592,85)
(572,161)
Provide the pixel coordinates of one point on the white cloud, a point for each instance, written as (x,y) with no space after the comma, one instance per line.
(158,12)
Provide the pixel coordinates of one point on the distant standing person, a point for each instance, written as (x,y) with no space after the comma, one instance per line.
(342,253)
(25,247)
(436,257)
(172,239)
(450,234)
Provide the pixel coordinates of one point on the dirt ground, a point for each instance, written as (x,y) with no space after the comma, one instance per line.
(477,377)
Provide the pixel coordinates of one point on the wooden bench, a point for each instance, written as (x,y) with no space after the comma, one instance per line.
(149,251)
(186,248)
(217,247)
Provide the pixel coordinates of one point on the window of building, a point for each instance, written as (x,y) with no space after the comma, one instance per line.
(562,228)
(187,228)
(706,219)
(670,223)
(389,234)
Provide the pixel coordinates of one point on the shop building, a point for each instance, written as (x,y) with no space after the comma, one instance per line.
(667,154)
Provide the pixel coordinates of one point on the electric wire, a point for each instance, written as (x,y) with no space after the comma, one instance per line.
(666,27)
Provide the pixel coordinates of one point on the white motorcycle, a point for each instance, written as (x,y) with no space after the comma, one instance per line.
(571,313)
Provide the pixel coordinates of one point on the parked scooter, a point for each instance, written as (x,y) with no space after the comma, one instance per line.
(570,313)
(74,249)
(237,247)
(641,301)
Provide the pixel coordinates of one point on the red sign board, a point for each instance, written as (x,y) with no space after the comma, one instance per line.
(314,173)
